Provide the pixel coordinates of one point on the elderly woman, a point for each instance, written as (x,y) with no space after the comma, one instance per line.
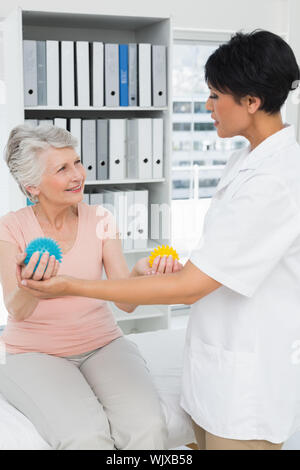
(241,379)
(69,368)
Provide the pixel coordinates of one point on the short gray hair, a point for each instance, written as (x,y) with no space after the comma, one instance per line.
(22,152)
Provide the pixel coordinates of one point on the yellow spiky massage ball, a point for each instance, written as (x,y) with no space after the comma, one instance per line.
(161,251)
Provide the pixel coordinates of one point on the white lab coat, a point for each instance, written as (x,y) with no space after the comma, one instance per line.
(241,376)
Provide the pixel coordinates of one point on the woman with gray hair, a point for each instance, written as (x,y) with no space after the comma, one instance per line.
(68,367)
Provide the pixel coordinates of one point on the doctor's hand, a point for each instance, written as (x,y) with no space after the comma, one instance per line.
(161,265)
(49,289)
(46,269)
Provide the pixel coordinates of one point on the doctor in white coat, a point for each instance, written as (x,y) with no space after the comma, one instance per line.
(241,378)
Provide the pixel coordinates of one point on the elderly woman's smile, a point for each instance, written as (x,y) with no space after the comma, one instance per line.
(63,173)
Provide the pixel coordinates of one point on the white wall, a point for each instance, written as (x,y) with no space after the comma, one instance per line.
(3,168)
(217,14)
(4,203)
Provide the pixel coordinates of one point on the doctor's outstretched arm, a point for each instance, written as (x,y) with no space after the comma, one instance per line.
(183,287)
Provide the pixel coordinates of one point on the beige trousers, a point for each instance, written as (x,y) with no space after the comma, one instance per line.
(102,399)
(208,441)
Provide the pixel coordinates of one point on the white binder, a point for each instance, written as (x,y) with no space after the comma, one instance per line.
(140,240)
(132,75)
(60,122)
(144,60)
(83,73)
(31,122)
(112,90)
(121,215)
(116,148)
(129,219)
(88,146)
(158,147)
(159,75)
(30,72)
(97,73)
(75,129)
(67,74)
(114,202)
(45,122)
(139,148)
(52,55)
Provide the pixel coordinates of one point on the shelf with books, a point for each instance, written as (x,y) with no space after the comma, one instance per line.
(123,181)
(46,26)
(94,108)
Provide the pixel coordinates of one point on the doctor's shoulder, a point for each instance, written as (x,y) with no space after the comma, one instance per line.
(235,159)
(285,168)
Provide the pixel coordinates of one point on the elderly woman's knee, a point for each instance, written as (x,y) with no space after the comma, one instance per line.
(143,431)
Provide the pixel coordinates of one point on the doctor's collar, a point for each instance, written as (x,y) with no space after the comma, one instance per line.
(273,143)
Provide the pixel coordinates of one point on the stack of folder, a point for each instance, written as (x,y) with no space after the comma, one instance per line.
(130,209)
(116,149)
(84,74)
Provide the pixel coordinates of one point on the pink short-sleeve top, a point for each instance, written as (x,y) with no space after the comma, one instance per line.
(68,325)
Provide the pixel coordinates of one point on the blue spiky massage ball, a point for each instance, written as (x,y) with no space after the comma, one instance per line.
(42,245)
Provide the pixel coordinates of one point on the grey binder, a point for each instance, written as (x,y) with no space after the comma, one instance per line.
(30,73)
(102,149)
(159,75)
(89,147)
(132,68)
(112,93)
(41,73)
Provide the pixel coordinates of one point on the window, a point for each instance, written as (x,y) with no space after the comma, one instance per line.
(182,145)
(198,155)
(200,107)
(181,126)
(201,148)
(179,184)
(208,182)
(204,126)
(182,107)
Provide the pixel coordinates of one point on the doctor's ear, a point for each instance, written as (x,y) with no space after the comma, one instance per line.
(252,103)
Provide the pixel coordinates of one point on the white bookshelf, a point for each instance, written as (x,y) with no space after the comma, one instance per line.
(125,181)
(37,25)
(94,108)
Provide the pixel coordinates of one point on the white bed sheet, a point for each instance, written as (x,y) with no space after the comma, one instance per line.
(163,351)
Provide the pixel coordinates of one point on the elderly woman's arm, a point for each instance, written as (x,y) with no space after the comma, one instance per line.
(116,267)
(20,304)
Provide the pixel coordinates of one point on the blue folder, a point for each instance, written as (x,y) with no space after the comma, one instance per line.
(123,69)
